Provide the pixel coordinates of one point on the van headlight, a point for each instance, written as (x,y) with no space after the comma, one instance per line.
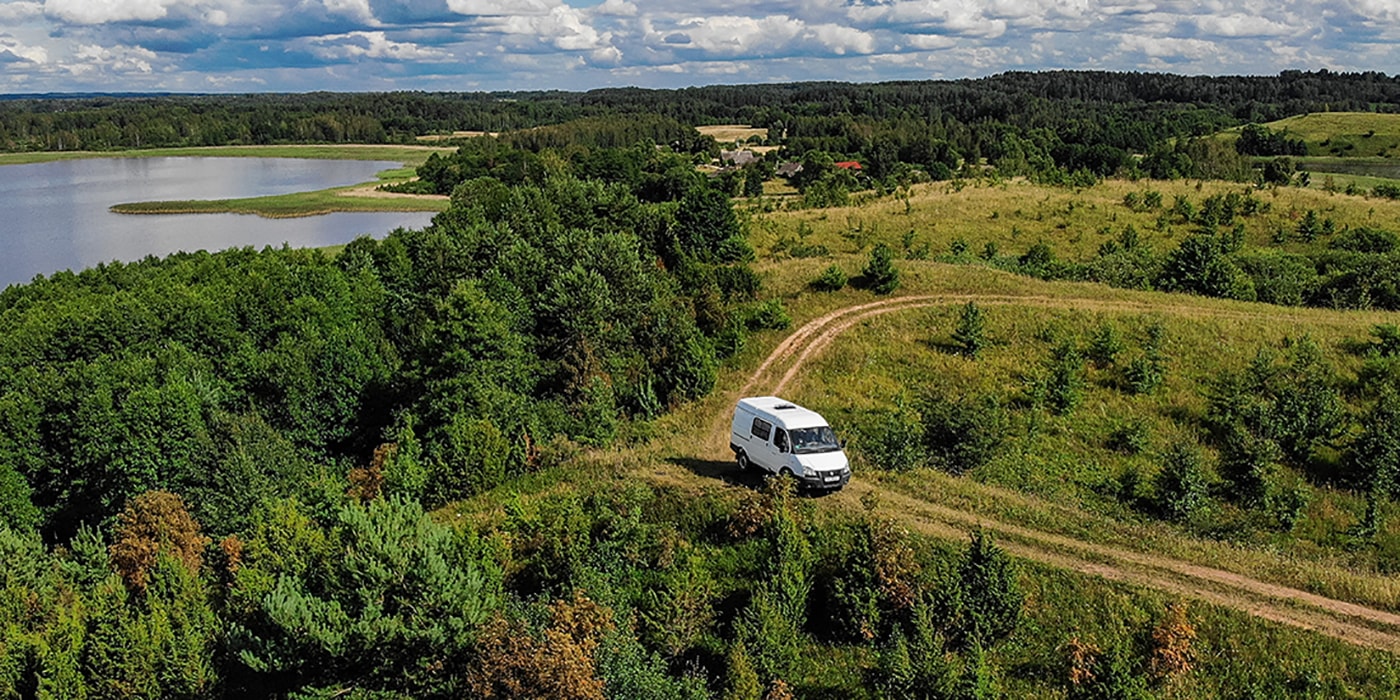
(808,471)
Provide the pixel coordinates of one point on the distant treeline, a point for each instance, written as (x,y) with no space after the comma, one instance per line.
(1133,112)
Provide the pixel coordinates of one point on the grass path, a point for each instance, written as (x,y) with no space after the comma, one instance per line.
(1347,621)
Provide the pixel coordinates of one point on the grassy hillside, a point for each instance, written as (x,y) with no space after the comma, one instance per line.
(1014,215)
(1057,476)
(1350,134)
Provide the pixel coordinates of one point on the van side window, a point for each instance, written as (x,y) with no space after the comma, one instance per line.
(761,429)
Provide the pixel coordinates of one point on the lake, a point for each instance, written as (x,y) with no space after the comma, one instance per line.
(53,216)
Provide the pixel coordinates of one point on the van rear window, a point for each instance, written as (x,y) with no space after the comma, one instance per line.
(761,429)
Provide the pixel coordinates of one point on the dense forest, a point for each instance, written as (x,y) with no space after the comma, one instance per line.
(1132,112)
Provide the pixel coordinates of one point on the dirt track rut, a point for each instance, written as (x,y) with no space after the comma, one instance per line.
(1350,622)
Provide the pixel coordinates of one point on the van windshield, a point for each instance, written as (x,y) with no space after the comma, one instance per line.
(812,440)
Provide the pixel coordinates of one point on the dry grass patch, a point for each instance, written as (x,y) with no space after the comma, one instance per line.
(728,133)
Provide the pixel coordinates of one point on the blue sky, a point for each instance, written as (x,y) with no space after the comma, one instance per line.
(358,45)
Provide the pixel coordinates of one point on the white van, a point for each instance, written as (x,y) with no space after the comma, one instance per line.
(780,437)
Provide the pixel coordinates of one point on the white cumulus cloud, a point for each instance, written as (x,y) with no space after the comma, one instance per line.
(12,13)
(12,50)
(354,45)
(101,11)
(114,59)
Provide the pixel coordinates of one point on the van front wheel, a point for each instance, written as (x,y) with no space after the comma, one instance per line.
(743,459)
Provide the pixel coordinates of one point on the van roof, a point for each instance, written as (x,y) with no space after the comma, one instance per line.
(786,413)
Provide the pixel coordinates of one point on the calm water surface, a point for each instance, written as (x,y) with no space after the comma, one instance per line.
(53,216)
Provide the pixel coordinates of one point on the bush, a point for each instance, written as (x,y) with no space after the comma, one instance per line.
(1280,278)
(514,661)
(1202,265)
(1146,372)
(831,279)
(1182,491)
(630,672)
(741,680)
(1106,344)
(1387,339)
(1129,438)
(1365,240)
(1110,675)
(1172,642)
(989,597)
(1064,385)
(893,439)
(970,334)
(963,433)
(383,595)
(880,275)
(1247,463)
(1375,456)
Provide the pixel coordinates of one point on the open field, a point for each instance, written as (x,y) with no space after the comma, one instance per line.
(1014,215)
(434,138)
(1348,134)
(728,133)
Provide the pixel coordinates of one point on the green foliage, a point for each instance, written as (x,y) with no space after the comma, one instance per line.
(705,222)
(1039,261)
(1182,487)
(868,577)
(17,511)
(1202,265)
(1247,462)
(1387,337)
(1362,239)
(962,433)
(1294,405)
(675,614)
(970,334)
(1129,438)
(741,680)
(474,457)
(768,315)
(1112,676)
(774,639)
(1064,380)
(1105,345)
(893,439)
(832,279)
(394,596)
(1145,373)
(984,601)
(161,645)
(1375,455)
(880,275)
(1280,278)
(895,672)
(630,672)
(975,679)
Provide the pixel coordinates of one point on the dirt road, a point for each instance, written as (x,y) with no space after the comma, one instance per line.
(1343,620)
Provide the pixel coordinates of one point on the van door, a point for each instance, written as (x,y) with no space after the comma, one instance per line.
(778,450)
(761,448)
